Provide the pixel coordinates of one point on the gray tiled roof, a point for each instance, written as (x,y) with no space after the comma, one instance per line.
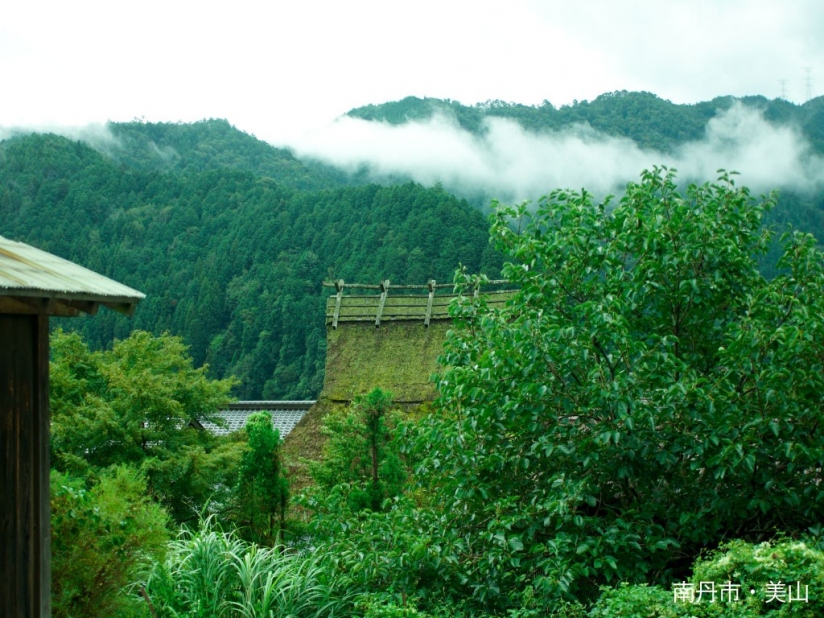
(285,415)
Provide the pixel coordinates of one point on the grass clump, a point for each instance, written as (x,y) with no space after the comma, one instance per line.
(210,573)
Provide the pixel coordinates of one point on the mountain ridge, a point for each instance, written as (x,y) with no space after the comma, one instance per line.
(607,113)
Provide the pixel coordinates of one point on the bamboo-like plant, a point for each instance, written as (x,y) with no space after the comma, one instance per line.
(212,573)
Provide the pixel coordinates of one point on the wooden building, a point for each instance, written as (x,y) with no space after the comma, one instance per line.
(33,286)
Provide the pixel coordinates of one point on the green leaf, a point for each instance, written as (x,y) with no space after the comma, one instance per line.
(515,543)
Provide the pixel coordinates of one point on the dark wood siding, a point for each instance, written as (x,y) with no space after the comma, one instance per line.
(24,466)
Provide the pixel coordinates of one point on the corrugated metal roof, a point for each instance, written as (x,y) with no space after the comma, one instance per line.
(28,272)
(285,415)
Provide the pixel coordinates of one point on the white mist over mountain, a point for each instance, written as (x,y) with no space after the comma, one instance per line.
(512,163)
(96,135)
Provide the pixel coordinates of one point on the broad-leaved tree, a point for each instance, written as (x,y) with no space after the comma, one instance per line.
(645,394)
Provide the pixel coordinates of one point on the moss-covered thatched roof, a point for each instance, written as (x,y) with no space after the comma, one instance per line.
(399,356)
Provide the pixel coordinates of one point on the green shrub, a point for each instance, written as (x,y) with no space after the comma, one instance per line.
(638,601)
(99,537)
(405,550)
(754,567)
(379,606)
(740,566)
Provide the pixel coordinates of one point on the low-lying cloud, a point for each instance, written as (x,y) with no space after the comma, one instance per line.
(98,136)
(511,163)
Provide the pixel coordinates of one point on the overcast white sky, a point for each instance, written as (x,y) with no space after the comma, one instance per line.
(278,69)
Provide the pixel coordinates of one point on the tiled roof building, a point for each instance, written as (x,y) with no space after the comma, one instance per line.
(285,415)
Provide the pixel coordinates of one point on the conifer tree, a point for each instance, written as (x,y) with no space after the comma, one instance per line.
(263,490)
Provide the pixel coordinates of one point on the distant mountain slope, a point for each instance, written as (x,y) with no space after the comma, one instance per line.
(651,122)
(654,125)
(230,260)
(215,144)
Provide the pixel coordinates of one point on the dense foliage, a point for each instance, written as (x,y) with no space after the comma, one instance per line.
(212,573)
(130,451)
(739,580)
(139,404)
(230,237)
(100,538)
(645,397)
(646,394)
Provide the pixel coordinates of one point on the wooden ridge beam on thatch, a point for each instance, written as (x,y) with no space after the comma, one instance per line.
(386,306)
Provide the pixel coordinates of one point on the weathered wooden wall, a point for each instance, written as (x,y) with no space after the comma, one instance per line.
(25,565)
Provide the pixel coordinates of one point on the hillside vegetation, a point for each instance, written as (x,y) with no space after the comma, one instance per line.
(641,417)
(230,259)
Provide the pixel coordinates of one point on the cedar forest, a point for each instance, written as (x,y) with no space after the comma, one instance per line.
(645,411)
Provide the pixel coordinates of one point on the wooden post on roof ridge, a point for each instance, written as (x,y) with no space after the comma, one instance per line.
(431,285)
(408,304)
(384,291)
(339,287)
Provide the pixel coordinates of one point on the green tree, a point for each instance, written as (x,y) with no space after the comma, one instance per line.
(138,404)
(644,395)
(362,452)
(262,492)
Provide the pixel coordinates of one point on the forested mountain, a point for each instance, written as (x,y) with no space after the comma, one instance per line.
(653,124)
(646,119)
(214,144)
(231,260)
